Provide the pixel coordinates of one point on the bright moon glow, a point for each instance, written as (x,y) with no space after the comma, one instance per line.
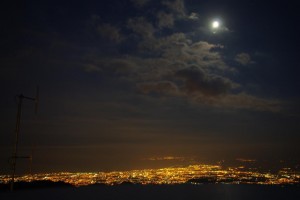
(215,24)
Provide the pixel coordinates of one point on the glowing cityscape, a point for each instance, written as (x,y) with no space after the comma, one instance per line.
(192,174)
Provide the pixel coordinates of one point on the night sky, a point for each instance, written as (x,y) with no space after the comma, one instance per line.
(134,84)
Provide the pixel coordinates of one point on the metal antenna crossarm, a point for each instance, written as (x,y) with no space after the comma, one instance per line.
(17,131)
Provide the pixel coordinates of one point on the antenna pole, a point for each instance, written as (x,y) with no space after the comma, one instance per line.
(17,131)
(15,150)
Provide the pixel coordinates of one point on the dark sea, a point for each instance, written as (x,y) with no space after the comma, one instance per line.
(172,192)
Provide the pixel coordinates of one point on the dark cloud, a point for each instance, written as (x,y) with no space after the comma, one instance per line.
(243,59)
(164,44)
(162,87)
(92,68)
(197,81)
(165,20)
(110,32)
(176,6)
(217,91)
(141,27)
(240,101)
(122,66)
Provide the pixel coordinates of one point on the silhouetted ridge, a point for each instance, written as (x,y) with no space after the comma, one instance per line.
(35,185)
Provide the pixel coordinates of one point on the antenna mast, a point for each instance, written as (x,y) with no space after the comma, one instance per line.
(17,131)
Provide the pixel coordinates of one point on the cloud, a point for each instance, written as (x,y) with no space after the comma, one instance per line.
(176,6)
(152,69)
(204,46)
(117,66)
(122,66)
(193,16)
(197,80)
(92,68)
(206,55)
(243,59)
(165,20)
(201,88)
(161,87)
(174,65)
(163,44)
(179,49)
(110,32)
(141,27)
(240,101)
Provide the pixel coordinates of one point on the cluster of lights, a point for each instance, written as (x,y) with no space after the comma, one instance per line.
(194,174)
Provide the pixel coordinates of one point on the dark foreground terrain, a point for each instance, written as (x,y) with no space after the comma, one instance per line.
(185,191)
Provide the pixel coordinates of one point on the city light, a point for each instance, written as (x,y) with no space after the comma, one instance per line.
(193,174)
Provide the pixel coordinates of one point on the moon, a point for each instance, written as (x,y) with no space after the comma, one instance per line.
(215,24)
